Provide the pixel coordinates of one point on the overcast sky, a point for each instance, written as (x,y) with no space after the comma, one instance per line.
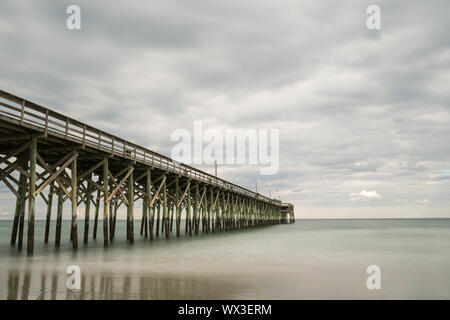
(364,115)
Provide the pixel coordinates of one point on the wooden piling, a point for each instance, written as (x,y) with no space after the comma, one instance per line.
(49,212)
(116,207)
(144,223)
(86,214)
(31,196)
(23,195)
(20,203)
(144,214)
(152,221)
(217,207)
(105,202)
(157,219)
(16,218)
(223,212)
(148,199)
(202,214)
(188,211)
(172,211)
(97,209)
(177,207)
(74,195)
(163,220)
(111,219)
(210,209)
(194,216)
(165,213)
(130,219)
(59,218)
(141,232)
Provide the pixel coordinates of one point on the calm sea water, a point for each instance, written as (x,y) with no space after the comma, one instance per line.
(311,259)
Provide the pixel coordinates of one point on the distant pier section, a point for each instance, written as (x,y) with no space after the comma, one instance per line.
(48,155)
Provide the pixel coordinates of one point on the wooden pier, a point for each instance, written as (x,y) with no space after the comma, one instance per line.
(46,154)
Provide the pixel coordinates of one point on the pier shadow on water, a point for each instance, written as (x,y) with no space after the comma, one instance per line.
(146,270)
(52,286)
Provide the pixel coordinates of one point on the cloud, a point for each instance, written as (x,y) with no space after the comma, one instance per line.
(354,108)
(424,201)
(365,195)
(442,176)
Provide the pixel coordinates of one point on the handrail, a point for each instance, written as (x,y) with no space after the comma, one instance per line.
(27,113)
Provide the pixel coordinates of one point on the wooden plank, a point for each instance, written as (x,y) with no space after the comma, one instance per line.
(158,191)
(10,186)
(25,136)
(184,194)
(119,186)
(92,169)
(16,151)
(57,173)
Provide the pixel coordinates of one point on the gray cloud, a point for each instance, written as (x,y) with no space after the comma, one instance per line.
(358,109)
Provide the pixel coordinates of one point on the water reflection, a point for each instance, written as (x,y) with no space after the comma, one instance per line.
(51,286)
(13,285)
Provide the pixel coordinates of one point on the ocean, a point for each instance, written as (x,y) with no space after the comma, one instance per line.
(310,259)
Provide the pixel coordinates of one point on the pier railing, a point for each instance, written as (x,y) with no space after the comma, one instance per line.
(19,111)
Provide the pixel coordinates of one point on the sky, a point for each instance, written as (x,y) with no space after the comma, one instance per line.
(364,115)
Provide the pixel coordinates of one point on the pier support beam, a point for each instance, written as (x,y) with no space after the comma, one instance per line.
(157,218)
(151,220)
(147,200)
(148,204)
(105,202)
(31,197)
(111,219)
(188,210)
(145,216)
(165,213)
(97,209)
(210,209)
(130,217)
(86,213)
(144,213)
(74,205)
(113,231)
(49,211)
(20,211)
(172,211)
(194,217)
(16,217)
(59,218)
(177,207)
